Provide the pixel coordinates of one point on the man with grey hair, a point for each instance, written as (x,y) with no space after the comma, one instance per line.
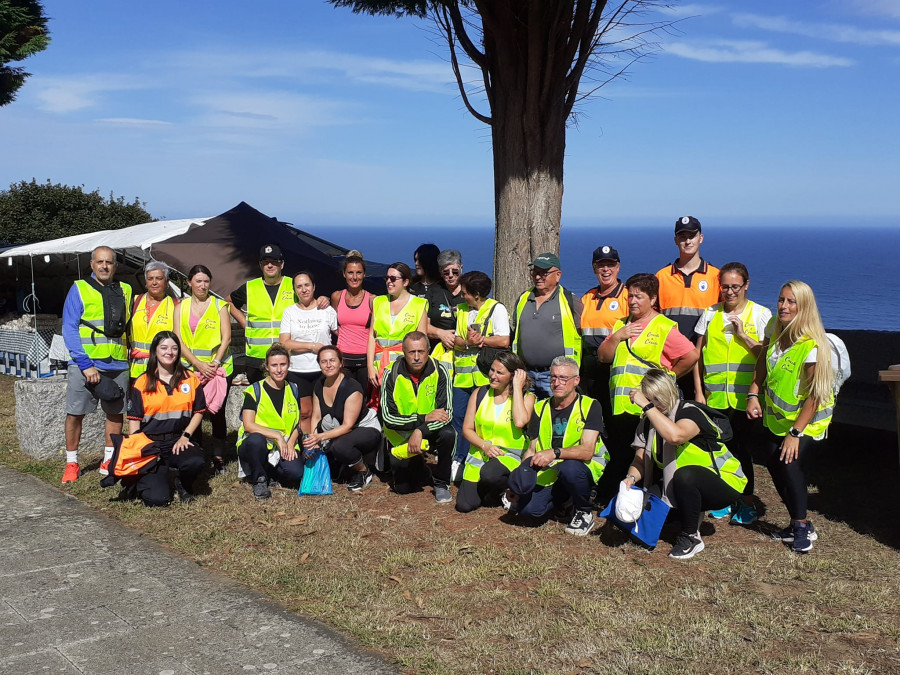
(566,456)
(153,311)
(95,316)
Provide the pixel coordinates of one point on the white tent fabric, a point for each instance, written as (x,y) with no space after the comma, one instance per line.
(133,240)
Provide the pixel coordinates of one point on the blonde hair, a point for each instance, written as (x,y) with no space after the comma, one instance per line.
(808,324)
(659,384)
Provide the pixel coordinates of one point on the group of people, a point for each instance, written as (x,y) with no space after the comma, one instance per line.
(673,381)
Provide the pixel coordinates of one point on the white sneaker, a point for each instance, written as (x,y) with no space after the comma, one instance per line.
(456,471)
(582,523)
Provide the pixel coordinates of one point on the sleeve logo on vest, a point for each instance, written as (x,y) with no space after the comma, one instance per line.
(185,388)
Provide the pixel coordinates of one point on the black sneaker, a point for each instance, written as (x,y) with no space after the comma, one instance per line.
(183,495)
(686,546)
(582,523)
(787,534)
(802,537)
(359,480)
(261,489)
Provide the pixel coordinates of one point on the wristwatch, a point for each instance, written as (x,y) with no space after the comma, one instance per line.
(647,408)
(795,432)
(557,452)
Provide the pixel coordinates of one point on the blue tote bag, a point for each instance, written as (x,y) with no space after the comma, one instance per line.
(316,476)
(645,531)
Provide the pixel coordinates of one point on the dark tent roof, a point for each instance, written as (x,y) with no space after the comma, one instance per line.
(229,246)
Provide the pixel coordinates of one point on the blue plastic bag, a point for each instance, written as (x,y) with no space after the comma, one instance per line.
(645,531)
(316,476)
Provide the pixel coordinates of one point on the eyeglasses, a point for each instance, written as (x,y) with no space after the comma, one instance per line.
(451,273)
(561,378)
(392,279)
(734,288)
(538,272)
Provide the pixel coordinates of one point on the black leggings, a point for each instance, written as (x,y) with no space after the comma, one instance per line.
(153,487)
(361,443)
(356,366)
(697,489)
(493,480)
(789,479)
(744,433)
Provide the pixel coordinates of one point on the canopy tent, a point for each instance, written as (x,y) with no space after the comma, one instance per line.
(229,246)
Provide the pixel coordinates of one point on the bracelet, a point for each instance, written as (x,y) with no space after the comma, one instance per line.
(632,477)
(752,395)
(185,435)
(217,362)
(647,408)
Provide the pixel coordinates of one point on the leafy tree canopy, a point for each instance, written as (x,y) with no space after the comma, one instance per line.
(23,32)
(32,211)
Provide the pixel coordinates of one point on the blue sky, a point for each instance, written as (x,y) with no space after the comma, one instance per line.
(310,112)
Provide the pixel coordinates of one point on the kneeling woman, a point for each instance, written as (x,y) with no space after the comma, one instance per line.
(267,439)
(495,426)
(341,421)
(166,406)
(684,442)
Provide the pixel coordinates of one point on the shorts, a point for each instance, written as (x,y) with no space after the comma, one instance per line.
(80,401)
(304,381)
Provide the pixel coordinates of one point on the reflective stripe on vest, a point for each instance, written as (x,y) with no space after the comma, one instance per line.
(725,465)
(465,367)
(389,334)
(143,331)
(599,315)
(410,401)
(165,406)
(571,438)
(264,317)
(677,300)
(205,341)
(626,371)
(97,346)
(783,400)
(728,364)
(570,336)
(283,421)
(497,429)
(129,458)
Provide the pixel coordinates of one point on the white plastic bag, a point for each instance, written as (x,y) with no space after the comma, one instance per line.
(629,503)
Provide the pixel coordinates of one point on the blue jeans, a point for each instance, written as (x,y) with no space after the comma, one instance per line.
(575,480)
(541,386)
(460,403)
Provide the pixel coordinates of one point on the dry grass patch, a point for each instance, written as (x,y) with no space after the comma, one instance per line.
(441,592)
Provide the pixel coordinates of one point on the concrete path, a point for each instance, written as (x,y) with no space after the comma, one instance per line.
(79,593)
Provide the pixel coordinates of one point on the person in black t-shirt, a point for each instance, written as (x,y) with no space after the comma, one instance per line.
(443,297)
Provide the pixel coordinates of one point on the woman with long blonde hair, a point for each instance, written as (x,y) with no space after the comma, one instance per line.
(795,379)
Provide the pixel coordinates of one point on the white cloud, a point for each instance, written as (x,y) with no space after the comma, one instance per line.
(76,92)
(267,110)
(690,10)
(889,8)
(133,122)
(822,31)
(749,51)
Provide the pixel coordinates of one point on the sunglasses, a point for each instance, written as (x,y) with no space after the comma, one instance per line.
(451,273)
(392,279)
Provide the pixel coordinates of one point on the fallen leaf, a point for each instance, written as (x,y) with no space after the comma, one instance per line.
(584,663)
(445,561)
(280,513)
(296,520)
(420,602)
(386,518)
(407,595)
(304,557)
(351,515)
(399,580)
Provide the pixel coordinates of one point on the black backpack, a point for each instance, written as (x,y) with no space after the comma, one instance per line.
(115,310)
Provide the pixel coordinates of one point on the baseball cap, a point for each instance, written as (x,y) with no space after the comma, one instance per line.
(605,253)
(687,224)
(523,479)
(271,251)
(546,260)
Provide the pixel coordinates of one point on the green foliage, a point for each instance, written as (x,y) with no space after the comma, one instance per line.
(398,8)
(32,211)
(23,32)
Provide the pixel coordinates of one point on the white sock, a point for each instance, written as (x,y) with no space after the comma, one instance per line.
(107,453)
(71,457)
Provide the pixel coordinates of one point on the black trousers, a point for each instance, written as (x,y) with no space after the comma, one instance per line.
(355,366)
(361,443)
(698,489)
(789,479)
(443,443)
(620,430)
(746,435)
(153,487)
(254,453)
(493,480)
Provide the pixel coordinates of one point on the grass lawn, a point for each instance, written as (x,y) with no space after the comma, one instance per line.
(441,592)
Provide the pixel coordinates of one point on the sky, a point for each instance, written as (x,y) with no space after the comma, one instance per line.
(309,112)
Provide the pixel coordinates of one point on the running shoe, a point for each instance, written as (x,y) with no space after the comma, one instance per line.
(686,546)
(721,513)
(104,468)
(582,523)
(787,534)
(802,538)
(442,494)
(359,480)
(261,488)
(72,472)
(745,514)
(219,466)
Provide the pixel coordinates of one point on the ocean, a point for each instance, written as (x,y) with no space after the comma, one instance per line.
(853,268)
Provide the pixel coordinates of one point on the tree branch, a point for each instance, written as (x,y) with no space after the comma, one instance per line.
(446,25)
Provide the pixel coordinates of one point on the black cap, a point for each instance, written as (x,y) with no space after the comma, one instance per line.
(271,251)
(523,479)
(605,253)
(687,224)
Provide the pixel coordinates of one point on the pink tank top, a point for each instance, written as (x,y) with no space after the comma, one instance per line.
(353,325)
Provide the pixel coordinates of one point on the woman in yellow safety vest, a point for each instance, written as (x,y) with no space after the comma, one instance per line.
(204,326)
(682,441)
(153,311)
(795,379)
(730,336)
(495,426)
(393,316)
